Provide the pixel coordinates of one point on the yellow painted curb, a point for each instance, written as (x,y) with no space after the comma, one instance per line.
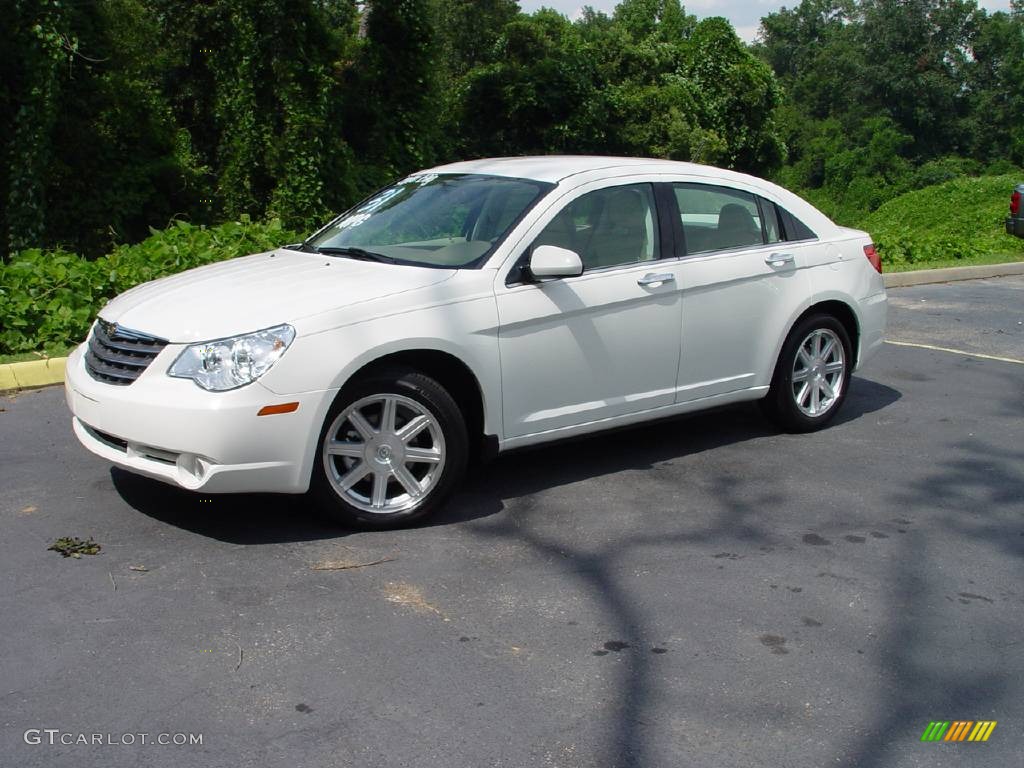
(32,373)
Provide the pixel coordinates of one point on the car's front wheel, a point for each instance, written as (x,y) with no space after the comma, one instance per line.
(392,447)
(812,375)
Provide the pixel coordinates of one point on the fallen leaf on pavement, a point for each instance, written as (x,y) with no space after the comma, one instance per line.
(72,546)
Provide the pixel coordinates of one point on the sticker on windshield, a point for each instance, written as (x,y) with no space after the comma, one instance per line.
(422,179)
(352,221)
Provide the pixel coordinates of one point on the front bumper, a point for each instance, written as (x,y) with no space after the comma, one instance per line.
(1015,226)
(172,430)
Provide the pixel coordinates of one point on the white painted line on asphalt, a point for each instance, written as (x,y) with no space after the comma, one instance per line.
(955,351)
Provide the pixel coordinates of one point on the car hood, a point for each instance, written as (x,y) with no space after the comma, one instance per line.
(255,292)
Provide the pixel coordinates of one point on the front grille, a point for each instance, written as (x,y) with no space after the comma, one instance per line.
(118,355)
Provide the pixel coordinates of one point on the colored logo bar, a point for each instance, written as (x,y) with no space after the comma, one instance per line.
(958,730)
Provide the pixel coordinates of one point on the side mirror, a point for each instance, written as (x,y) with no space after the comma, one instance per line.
(552,261)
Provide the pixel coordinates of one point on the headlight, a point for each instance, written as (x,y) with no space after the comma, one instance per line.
(231,363)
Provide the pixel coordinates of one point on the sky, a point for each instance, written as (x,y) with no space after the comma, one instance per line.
(745,15)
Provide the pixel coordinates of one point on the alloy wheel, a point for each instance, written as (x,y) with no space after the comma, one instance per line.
(818,372)
(384,453)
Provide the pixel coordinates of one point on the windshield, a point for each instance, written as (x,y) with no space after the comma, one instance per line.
(433,220)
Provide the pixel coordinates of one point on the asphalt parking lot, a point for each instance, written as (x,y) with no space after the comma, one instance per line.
(703,591)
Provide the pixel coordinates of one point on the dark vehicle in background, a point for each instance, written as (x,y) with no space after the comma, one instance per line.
(1015,221)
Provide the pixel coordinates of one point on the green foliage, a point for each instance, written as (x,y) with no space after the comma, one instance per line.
(121,115)
(535,97)
(50,298)
(168,110)
(888,96)
(393,110)
(949,168)
(995,84)
(661,19)
(469,30)
(959,219)
(650,81)
(47,298)
(72,546)
(107,167)
(262,89)
(184,246)
(738,98)
(39,44)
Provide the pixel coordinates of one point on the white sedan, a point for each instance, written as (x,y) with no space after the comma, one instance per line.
(475,308)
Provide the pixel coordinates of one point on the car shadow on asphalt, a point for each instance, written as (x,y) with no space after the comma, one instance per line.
(235,518)
(528,471)
(282,518)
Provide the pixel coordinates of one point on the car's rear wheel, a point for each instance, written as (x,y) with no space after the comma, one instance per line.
(812,375)
(392,447)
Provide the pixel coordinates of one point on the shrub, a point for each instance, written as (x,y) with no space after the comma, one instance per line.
(942,170)
(47,298)
(50,298)
(958,219)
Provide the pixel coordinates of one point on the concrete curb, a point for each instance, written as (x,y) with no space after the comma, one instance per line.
(40,373)
(33,373)
(952,274)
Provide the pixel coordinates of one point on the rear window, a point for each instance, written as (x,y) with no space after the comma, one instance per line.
(794,228)
(718,218)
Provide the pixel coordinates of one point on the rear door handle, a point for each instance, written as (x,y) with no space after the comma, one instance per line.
(654,278)
(778,259)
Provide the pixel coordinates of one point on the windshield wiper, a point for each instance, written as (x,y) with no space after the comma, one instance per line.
(354,253)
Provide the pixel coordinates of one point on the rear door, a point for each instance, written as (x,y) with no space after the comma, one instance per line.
(741,281)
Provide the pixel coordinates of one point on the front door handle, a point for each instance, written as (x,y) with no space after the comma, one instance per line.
(778,259)
(654,278)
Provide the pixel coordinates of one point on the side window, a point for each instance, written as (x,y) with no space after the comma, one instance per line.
(772,227)
(607,227)
(718,218)
(794,228)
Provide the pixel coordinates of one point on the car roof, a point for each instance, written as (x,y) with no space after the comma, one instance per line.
(554,168)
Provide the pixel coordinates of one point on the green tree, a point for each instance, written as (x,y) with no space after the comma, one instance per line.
(915,54)
(642,19)
(393,98)
(538,96)
(38,42)
(996,86)
(738,99)
(469,30)
(109,166)
(258,84)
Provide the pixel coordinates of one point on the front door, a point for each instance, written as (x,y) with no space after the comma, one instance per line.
(604,344)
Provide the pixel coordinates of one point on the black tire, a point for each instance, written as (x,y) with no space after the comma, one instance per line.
(432,398)
(780,404)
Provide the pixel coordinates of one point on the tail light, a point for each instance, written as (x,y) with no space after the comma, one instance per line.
(1015,203)
(872,253)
